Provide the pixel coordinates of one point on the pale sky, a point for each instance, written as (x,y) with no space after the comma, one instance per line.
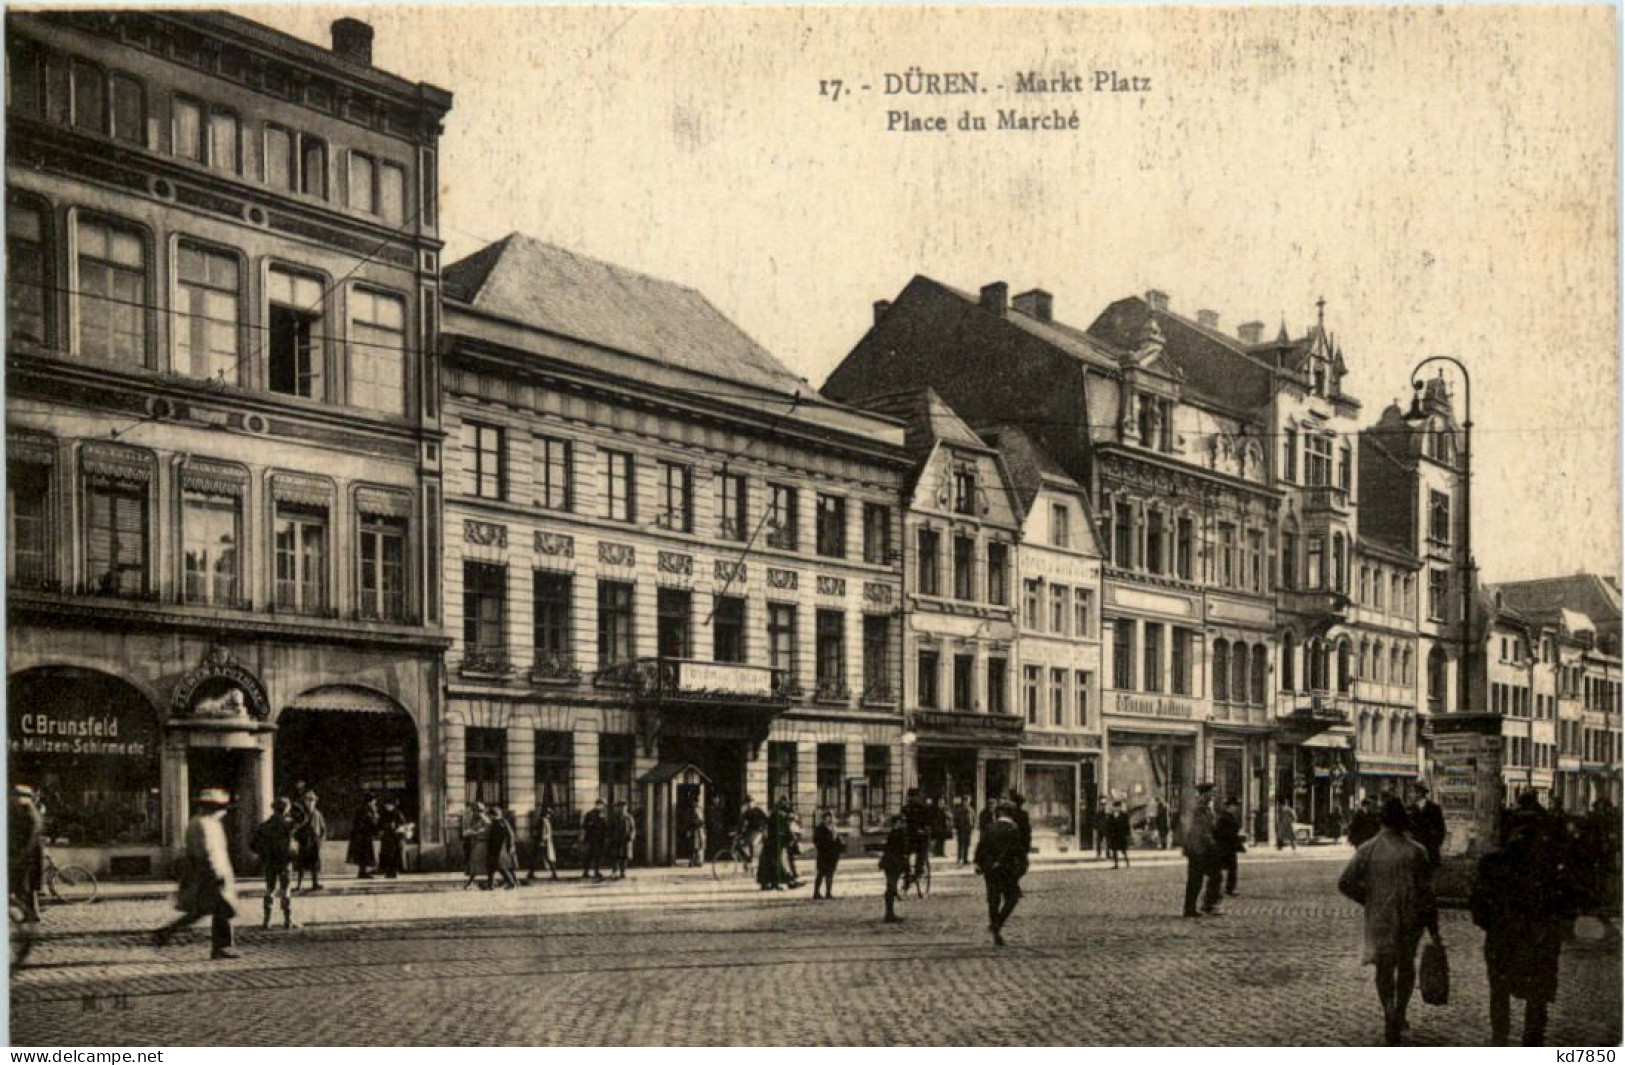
(1445,178)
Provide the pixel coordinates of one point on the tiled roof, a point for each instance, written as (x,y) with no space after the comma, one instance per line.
(1214,366)
(1029,464)
(1586,593)
(928,420)
(549,288)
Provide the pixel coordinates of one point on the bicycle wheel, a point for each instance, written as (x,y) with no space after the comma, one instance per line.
(724,864)
(73,884)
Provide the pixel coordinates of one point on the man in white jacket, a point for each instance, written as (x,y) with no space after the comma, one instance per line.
(207,888)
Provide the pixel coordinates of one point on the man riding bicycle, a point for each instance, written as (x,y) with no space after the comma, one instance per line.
(917,827)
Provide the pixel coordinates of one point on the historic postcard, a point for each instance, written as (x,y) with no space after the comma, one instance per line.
(813,526)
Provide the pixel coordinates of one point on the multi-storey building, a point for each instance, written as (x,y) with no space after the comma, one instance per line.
(961,525)
(671,567)
(1058,642)
(221,423)
(1168,430)
(1386,711)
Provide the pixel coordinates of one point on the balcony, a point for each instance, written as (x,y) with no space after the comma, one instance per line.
(1323,709)
(833,692)
(489,662)
(1325,500)
(557,667)
(879,693)
(1319,602)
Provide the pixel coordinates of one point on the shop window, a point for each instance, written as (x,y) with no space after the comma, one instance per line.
(485,602)
(781,772)
(677,498)
(112,293)
(619,495)
(28,510)
(615,768)
(614,623)
(555,473)
(876,534)
(296,354)
(117,531)
(555,760)
(964,682)
(553,592)
(674,609)
(485,766)
(732,498)
(485,455)
(831,526)
(781,645)
(831,653)
(782,528)
(301,557)
(377,351)
(383,567)
(208,327)
(27,271)
(877,672)
(831,774)
(997,684)
(728,629)
(211,530)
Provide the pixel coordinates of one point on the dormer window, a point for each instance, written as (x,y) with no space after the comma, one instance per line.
(964,491)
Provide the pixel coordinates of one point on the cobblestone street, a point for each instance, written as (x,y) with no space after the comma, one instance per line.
(1095,957)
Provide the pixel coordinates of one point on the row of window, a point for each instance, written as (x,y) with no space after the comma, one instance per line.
(1368,662)
(486,645)
(1511,700)
(1383,665)
(1316,451)
(107,304)
(968,585)
(80,94)
(1175,674)
(1602,695)
(488,461)
(1527,753)
(1392,593)
(961,693)
(1317,568)
(1150,540)
(1071,610)
(118,551)
(1602,745)
(1395,736)
(1067,700)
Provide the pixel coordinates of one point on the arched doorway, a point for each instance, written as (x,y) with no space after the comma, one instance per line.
(88,742)
(345,743)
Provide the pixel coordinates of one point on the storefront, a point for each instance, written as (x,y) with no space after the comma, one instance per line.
(960,754)
(1315,776)
(1241,772)
(1143,767)
(1060,775)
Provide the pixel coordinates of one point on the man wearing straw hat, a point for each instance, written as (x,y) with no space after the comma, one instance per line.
(206,886)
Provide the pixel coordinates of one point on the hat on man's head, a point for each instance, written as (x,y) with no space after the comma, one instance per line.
(214,797)
(22,791)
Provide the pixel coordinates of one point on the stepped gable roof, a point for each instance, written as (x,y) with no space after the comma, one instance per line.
(927,420)
(1029,464)
(557,291)
(1214,366)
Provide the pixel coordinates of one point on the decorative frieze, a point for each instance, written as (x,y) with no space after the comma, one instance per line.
(730,572)
(678,564)
(785,579)
(485,533)
(831,585)
(617,554)
(214,478)
(557,545)
(876,592)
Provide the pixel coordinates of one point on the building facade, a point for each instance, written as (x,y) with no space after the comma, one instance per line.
(222,424)
(672,570)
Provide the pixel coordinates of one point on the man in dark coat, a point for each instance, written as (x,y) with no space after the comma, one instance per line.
(391,840)
(1023,823)
(594,828)
(1364,824)
(987,816)
(1118,831)
(362,852)
(894,859)
(622,831)
(753,825)
(1201,856)
(274,843)
(1521,900)
(1102,817)
(501,850)
(962,827)
(941,827)
(310,830)
(691,829)
(1160,820)
(1001,859)
(25,851)
(1427,824)
(917,816)
(827,845)
(1227,841)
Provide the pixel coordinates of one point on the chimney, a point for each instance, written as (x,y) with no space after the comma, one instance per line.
(1207,319)
(352,40)
(881,307)
(1157,298)
(1250,332)
(995,297)
(1036,303)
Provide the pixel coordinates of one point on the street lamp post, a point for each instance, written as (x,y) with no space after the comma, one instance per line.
(1464,698)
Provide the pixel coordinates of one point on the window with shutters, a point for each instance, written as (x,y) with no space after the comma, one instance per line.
(295,347)
(28,525)
(117,533)
(111,295)
(377,351)
(208,319)
(211,535)
(301,546)
(383,567)
(27,270)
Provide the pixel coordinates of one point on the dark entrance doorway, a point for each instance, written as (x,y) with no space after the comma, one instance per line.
(234,771)
(345,755)
(722,760)
(946,772)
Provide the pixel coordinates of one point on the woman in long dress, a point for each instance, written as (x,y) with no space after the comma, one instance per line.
(475,827)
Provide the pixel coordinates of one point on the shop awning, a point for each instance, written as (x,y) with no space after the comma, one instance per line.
(346,699)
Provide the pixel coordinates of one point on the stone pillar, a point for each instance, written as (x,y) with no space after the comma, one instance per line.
(521,773)
(806,797)
(175,791)
(584,773)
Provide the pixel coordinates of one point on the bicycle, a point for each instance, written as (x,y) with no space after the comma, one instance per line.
(922,883)
(733,860)
(72,884)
